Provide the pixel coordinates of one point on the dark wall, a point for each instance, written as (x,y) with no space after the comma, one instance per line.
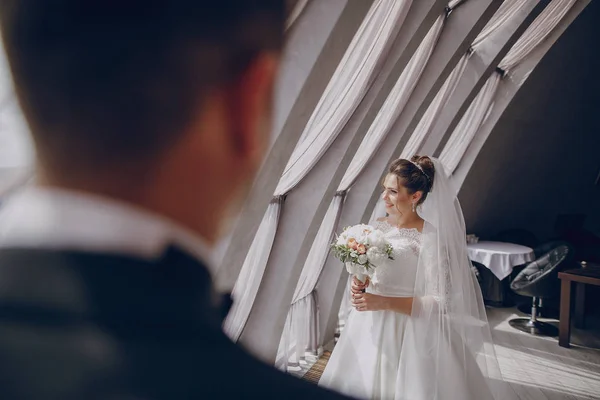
(543,157)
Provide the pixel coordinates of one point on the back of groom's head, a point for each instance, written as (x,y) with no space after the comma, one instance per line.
(109,85)
(106,77)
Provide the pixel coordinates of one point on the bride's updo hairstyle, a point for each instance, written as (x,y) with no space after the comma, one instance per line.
(415,174)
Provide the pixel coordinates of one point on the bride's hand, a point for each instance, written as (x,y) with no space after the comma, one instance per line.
(358,286)
(368,302)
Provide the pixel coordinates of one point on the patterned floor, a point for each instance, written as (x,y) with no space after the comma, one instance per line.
(536,367)
(314,373)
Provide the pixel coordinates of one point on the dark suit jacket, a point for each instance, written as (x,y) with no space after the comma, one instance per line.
(95,326)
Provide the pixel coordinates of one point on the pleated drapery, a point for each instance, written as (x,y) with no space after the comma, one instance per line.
(343,94)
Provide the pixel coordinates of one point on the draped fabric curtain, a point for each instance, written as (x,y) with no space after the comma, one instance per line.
(246,286)
(394,104)
(453,3)
(345,91)
(295,13)
(299,339)
(300,328)
(506,12)
(318,252)
(469,124)
(536,33)
(434,110)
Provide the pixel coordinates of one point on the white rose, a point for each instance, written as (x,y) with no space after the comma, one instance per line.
(373,252)
(360,232)
(352,231)
(362,259)
(376,239)
(376,255)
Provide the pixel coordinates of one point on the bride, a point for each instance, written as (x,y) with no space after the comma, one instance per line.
(418,330)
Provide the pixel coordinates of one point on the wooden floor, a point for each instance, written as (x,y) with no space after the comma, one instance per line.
(536,367)
(316,370)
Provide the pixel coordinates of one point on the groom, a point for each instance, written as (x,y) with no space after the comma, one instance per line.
(150,119)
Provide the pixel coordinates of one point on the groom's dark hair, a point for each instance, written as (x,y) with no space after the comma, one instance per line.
(115,80)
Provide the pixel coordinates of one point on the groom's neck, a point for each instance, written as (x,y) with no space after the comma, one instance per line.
(198,215)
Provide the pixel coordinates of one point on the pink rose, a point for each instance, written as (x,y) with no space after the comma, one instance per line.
(361,248)
(353,244)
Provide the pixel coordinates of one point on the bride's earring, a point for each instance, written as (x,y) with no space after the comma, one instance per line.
(414,207)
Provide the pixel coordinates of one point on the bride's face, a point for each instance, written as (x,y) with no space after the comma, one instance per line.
(396,197)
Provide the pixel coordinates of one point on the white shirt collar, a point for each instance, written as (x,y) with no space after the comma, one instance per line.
(61,219)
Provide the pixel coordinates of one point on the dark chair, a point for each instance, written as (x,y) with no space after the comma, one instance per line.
(542,311)
(539,279)
(517,236)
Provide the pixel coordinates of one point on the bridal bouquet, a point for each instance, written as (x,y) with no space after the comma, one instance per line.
(361,248)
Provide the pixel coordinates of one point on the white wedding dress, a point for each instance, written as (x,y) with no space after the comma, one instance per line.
(378,355)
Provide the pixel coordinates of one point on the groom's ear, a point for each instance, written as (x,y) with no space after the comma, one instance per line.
(251,105)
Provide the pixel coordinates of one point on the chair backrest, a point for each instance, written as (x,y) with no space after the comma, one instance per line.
(549,246)
(554,259)
(540,277)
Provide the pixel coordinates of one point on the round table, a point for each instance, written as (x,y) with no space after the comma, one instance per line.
(500,257)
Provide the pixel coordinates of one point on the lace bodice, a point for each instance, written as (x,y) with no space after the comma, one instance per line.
(397,277)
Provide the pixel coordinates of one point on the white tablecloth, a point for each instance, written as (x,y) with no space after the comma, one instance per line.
(500,257)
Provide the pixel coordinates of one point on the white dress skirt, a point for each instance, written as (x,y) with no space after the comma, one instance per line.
(376,356)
